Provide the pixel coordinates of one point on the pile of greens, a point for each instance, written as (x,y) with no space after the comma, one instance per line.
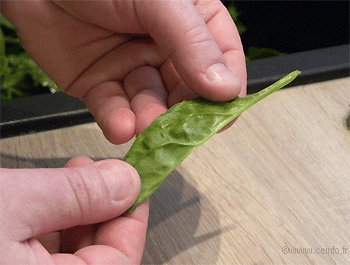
(20,76)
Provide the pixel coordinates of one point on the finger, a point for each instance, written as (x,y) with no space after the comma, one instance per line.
(77,237)
(52,241)
(148,95)
(119,241)
(111,108)
(54,199)
(178,91)
(116,64)
(125,234)
(103,92)
(183,34)
(79,161)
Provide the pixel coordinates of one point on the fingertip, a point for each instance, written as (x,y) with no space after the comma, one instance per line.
(222,83)
(119,126)
(122,180)
(148,115)
(133,173)
(79,161)
(228,126)
(126,234)
(180,93)
(141,212)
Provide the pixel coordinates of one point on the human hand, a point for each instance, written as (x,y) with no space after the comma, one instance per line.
(94,50)
(83,200)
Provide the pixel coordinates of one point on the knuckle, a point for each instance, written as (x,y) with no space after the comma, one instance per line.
(199,35)
(84,193)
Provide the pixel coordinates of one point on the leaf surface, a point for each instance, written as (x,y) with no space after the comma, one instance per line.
(162,146)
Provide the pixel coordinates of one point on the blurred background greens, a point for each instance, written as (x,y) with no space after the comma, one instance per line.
(253,53)
(20,76)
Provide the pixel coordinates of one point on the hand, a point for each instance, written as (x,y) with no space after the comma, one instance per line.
(94,50)
(85,199)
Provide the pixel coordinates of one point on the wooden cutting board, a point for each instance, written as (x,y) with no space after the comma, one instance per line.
(273,189)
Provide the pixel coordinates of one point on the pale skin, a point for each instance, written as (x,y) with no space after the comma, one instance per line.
(129,62)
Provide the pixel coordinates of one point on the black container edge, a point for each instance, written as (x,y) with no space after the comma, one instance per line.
(52,111)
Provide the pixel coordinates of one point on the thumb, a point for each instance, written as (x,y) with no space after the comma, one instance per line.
(39,201)
(184,35)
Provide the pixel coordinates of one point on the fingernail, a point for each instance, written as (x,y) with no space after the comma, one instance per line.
(219,72)
(119,180)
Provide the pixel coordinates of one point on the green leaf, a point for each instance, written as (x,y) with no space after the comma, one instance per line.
(3,59)
(24,77)
(255,53)
(235,14)
(162,146)
(20,75)
(5,23)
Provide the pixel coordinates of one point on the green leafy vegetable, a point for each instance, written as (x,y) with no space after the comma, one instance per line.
(20,76)
(3,60)
(5,23)
(161,147)
(235,14)
(255,53)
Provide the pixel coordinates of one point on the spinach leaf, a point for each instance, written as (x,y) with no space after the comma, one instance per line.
(162,146)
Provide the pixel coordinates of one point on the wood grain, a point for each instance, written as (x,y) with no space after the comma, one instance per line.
(278,180)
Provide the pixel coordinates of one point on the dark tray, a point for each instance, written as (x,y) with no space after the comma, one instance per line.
(52,111)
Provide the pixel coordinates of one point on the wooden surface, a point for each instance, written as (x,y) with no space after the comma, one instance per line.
(270,190)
